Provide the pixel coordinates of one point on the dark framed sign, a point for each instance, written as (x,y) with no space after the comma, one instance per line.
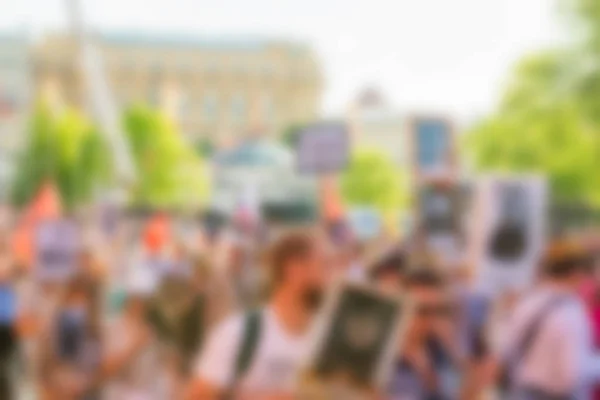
(359,332)
(323,148)
(439,209)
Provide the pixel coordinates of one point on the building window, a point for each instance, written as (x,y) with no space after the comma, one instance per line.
(267,109)
(210,107)
(155,95)
(238,107)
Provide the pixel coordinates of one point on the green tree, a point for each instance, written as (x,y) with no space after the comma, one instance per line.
(289,137)
(63,148)
(169,171)
(372,180)
(548,119)
(205,148)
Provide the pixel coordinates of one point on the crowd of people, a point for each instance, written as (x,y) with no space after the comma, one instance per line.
(199,313)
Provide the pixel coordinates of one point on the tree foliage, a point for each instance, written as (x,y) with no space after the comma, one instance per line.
(373,180)
(169,171)
(63,148)
(548,120)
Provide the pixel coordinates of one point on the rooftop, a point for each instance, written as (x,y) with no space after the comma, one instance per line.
(238,43)
(256,153)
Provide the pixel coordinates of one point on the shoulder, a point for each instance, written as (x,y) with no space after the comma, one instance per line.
(229,328)
(570,313)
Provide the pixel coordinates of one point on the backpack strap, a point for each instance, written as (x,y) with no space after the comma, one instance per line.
(529,335)
(246,350)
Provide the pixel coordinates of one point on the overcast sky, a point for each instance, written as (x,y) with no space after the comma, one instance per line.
(441,55)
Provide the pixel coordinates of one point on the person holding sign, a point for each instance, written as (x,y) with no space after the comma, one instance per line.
(548,351)
(259,354)
(428,366)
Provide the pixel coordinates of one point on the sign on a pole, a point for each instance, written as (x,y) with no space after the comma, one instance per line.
(58,243)
(361,328)
(323,148)
(508,231)
(433,147)
(441,218)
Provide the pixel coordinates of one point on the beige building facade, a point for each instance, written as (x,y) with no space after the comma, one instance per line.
(218,90)
(374,124)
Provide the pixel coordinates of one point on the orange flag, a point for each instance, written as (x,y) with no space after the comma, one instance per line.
(332,205)
(157,232)
(46,205)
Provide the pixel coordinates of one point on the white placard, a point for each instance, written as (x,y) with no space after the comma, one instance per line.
(323,148)
(508,231)
(58,243)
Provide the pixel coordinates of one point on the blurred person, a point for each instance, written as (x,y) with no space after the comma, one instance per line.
(132,366)
(354,262)
(589,291)
(259,354)
(8,325)
(91,267)
(71,371)
(215,291)
(176,313)
(429,365)
(389,273)
(473,317)
(244,272)
(548,350)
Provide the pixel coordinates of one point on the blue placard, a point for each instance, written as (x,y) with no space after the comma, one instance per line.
(433,143)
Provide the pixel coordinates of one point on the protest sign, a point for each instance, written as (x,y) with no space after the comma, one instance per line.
(58,243)
(359,330)
(508,231)
(322,148)
(433,145)
(441,217)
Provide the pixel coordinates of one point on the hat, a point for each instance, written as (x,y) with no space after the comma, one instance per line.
(563,256)
(394,261)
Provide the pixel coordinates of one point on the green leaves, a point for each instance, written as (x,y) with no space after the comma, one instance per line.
(170,172)
(549,117)
(64,148)
(373,180)
(542,126)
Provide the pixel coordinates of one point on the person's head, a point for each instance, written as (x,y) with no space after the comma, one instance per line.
(297,267)
(565,261)
(389,272)
(462,277)
(135,305)
(201,272)
(427,292)
(77,295)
